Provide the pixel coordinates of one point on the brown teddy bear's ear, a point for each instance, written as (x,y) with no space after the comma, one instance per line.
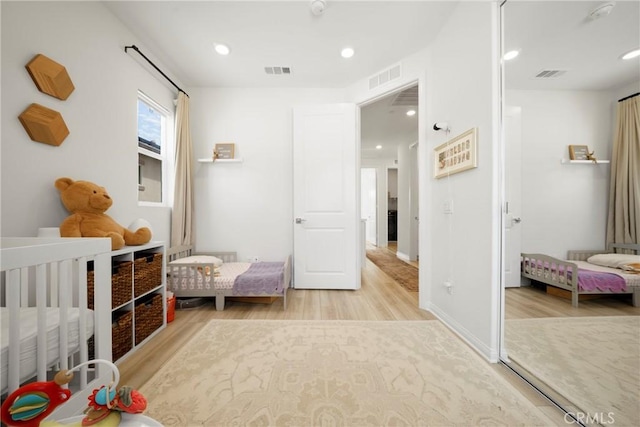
(63,183)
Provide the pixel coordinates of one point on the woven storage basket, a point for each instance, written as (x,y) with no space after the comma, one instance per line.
(121,337)
(121,275)
(147,272)
(149,317)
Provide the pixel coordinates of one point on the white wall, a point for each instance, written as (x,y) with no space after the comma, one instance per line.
(564,206)
(247,207)
(624,91)
(100,114)
(463,247)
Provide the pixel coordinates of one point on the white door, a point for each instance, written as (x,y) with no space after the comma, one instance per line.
(513,230)
(369,203)
(325,203)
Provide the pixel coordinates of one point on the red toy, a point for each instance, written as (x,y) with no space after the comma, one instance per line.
(31,403)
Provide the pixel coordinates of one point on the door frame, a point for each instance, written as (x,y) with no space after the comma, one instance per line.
(419,82)
(376,209)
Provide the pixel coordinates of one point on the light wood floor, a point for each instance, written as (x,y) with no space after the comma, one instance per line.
(380,298)
(533,302)
(393,247)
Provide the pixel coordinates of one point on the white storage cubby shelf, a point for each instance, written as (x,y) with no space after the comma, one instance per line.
(139,303)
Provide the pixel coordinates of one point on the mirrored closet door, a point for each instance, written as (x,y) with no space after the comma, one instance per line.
(561,89)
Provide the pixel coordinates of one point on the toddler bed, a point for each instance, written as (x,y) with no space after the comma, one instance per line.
(588,272)
(45,323)
(219,275)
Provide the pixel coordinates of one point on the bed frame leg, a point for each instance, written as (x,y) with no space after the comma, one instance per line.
(636,298)
(219,302)
(574,298)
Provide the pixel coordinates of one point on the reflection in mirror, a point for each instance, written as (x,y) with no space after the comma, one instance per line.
(564,88)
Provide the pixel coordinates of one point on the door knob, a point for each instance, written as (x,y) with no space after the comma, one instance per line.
(300,220)
(517,220)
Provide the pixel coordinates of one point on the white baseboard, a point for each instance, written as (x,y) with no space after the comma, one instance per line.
(402,256)
(491,355)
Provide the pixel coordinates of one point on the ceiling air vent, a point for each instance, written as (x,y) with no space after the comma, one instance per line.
(550,74)
(384,77)
(277,70)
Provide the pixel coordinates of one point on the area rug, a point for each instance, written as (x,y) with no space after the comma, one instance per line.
(594,362)
(332,373)
(405,274)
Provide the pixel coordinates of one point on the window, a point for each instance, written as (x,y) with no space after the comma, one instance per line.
(153,132)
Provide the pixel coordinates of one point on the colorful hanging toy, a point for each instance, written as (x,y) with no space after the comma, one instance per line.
(31,403)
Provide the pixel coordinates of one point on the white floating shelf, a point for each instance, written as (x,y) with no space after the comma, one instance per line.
(220,161)
(583,162)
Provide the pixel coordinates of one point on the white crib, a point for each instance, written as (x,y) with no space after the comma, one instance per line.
(44,283)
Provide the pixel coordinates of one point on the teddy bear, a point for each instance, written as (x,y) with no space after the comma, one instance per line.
(87,203)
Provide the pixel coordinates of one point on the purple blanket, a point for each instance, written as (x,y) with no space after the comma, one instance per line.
(260,278)
(596,280)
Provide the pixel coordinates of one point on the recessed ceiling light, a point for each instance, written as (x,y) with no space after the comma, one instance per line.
(411,113)
(511,54)
(631,54)
(347,52)
(378,147)
(222,49)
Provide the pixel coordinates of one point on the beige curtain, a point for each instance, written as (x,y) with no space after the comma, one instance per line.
(182,215)
(623,224)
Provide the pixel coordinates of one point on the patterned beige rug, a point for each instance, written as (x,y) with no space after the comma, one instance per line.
(332,373)
(594,362)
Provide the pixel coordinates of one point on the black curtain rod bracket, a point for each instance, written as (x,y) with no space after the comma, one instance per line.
(134,47)
(628,97)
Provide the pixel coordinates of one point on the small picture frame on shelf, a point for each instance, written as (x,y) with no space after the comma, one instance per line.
(224,151)
(578,152)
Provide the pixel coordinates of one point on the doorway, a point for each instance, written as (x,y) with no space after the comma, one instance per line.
(389,131)
(369,203)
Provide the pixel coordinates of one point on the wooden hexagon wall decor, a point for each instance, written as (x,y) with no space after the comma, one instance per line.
(44,124)
(50,77)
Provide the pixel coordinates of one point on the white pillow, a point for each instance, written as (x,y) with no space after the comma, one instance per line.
(614,260)
(199,259)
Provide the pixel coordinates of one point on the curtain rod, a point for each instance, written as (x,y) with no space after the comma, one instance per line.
(627,97)
(134,47)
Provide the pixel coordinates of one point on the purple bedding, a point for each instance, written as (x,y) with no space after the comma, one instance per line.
(599,281)
(588,280)
(260,278)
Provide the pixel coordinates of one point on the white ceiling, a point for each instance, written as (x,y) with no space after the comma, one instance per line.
(558,35)
(262,34)
(550,34)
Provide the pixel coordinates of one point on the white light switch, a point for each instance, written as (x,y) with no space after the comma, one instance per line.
(448,206)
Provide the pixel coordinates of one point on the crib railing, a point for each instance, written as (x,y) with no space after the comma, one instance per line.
(46,273)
